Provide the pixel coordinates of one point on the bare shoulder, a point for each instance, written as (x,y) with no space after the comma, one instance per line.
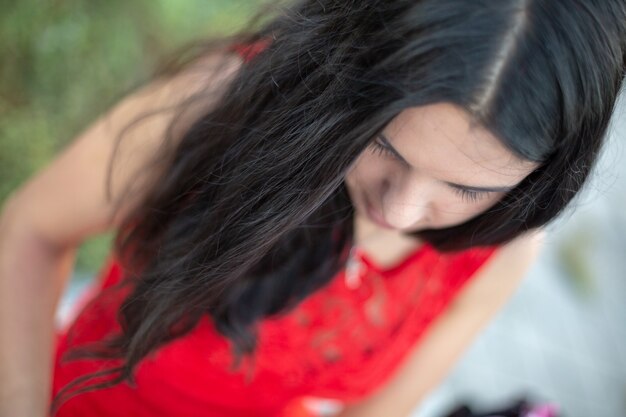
(79,197)
(452,332)
(501,274)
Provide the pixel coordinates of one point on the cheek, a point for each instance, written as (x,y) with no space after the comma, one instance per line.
(366,169)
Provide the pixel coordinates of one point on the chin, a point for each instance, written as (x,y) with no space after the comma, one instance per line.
(409,233)
(423,228)
(415,229)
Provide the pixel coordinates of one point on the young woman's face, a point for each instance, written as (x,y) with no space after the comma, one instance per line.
(434,171)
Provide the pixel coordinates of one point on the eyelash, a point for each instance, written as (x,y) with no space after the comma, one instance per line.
(470,196)
(382,150)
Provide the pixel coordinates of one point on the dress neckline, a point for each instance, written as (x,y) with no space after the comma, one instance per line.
(419,251)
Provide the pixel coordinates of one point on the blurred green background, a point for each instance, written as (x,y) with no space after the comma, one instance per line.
(64,62)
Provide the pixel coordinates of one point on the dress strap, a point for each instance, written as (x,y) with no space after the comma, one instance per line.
(249,50)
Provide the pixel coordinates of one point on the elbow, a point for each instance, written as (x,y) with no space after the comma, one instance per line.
(16,230)
(10,221)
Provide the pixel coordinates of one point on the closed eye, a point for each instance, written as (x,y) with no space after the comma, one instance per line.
(470,196)
(382,149)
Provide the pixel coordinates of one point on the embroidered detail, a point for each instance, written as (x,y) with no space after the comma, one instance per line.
(302,318)
(349,319)
(331,354)
(375,306)
(354,268)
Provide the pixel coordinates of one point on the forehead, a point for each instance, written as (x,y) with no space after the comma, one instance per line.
(438,137)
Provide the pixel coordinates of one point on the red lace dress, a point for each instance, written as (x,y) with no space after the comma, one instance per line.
(342,343)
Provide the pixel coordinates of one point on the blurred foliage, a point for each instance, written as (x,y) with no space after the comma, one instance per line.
(66,61)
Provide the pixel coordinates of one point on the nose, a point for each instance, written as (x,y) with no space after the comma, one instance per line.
(406,203)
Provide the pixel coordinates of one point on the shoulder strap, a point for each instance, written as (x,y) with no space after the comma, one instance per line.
(249,50)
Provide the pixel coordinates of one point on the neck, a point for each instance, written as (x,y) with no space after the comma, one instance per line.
(365,231)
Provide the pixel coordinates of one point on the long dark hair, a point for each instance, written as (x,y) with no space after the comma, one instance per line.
(252,214)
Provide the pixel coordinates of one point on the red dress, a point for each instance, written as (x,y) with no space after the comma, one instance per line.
(342,342)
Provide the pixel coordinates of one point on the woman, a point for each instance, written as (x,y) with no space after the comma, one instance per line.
(330,206)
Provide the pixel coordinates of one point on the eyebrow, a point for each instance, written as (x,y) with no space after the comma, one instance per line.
(475,188)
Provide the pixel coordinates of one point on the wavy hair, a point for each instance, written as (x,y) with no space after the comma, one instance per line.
(252,215)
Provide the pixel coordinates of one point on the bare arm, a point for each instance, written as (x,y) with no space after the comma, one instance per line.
(45,220)
(449,336)
(27,306)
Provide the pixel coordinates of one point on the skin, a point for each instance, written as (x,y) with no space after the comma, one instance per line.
(72,189)
(38,246)
(429,361)
(438,148)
